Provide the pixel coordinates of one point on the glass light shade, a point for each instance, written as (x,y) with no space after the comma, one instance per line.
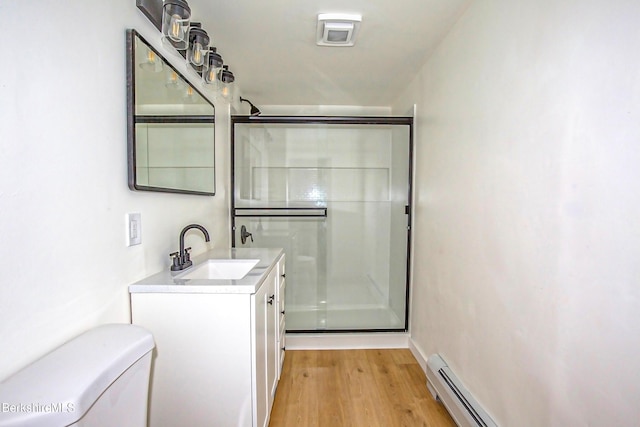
(226,91)
(189,95)
(213,64)
(198,45)
(225,82)
(173,80)
(210,75)
(152,62)
(175,23)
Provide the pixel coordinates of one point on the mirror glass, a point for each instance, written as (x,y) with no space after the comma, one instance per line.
(170,126)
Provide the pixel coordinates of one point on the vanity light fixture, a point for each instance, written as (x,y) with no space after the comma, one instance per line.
(198,45)
(254,109)
(212,65)
(175,23)
(173,19)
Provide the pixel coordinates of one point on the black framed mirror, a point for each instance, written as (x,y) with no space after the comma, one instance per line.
(170,126)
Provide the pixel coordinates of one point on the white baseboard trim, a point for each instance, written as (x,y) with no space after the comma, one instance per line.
(348,341)
(417,352)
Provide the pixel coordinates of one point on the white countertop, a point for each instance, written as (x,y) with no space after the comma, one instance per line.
(166,281)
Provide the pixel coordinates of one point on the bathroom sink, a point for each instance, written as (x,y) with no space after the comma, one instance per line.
(220,269)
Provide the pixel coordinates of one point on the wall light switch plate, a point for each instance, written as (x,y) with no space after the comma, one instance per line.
(134,229)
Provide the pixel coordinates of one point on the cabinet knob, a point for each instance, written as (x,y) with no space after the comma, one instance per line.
(282,312)
(283,274)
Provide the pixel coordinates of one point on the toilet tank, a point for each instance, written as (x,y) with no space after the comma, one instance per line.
(100,378)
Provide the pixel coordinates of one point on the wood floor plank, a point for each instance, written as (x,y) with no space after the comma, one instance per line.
(368,388)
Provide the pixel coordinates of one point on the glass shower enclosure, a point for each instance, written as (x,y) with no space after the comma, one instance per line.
(334,193)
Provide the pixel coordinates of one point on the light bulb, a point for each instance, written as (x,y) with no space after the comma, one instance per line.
(225,91)
(153,63)
(189,95)
(197,54)
(172,79)
(176,32)
(210,75)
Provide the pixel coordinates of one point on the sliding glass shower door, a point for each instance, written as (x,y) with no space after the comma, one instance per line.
(334,193)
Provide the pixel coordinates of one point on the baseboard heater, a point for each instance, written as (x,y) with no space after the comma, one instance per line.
(445,387)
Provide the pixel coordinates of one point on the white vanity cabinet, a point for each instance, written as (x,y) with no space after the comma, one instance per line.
(218,356)
(266,348)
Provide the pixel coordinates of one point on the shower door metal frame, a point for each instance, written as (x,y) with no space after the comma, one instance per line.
(332,120)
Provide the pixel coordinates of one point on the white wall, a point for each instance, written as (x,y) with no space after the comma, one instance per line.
(527,236)
(63,177)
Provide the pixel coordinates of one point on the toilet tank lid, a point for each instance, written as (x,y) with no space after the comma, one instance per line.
(60,387)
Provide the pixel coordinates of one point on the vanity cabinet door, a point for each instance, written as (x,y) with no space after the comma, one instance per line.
(261,402)
(266,349)
(280,297)
(271,338)
(203,362)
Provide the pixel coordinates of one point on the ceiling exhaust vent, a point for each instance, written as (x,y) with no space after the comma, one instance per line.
(337,29)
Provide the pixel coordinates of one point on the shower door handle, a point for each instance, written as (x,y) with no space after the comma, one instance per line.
(244,234)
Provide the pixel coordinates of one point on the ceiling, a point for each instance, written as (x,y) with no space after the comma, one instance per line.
(270,46)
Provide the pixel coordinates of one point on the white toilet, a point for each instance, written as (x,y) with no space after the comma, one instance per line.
(100,378)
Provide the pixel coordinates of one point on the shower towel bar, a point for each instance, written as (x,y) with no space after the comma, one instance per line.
(281,212)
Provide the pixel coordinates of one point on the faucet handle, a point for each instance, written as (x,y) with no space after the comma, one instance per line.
(187,255)
(177,261)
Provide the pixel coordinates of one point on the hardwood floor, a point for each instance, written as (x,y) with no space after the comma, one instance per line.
(332,388)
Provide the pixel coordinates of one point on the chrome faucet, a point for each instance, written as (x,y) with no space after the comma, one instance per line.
(182,258)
